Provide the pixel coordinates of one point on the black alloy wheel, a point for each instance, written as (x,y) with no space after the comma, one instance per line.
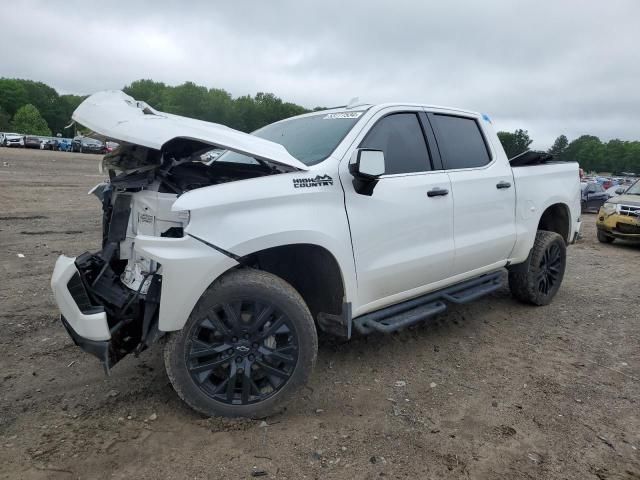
(247,347)
(549,269)
(242,352)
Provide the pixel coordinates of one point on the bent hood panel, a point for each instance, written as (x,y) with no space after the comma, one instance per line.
(118,116)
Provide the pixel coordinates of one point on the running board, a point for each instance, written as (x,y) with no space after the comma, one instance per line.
(410,312)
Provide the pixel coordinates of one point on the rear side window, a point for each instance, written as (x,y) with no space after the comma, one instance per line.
(460,142)
(401,139)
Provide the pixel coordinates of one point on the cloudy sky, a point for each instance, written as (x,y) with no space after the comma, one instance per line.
(551,67)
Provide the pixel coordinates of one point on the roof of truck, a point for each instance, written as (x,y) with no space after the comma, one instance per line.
(379,106)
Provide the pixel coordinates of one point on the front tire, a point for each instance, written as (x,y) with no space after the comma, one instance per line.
(604,238)
(538,281)
(248,346)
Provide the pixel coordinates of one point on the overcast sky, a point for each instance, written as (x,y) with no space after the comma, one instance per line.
(550,67)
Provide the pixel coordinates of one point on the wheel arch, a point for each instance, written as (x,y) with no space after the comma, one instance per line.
(309,268)
(557,218)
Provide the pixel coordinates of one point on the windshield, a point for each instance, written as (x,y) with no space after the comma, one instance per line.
(309,139)
(634,189)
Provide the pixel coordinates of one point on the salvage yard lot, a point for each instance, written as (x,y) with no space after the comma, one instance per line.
(494,389)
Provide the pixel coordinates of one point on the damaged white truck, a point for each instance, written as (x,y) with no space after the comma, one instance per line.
(365,218)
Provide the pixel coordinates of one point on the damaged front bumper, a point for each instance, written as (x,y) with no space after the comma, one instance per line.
(109,320)
(102,316)
(86,321)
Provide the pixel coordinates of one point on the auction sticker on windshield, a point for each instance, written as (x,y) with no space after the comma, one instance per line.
(331,116)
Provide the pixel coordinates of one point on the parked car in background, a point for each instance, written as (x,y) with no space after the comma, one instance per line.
(64,145)
(13,140)
(31,142)
(88,145)
(50,144)
(619,217)
(111,146)
(593,196)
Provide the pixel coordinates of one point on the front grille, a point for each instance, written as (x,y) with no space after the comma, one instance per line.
(630,210)
(626,228)
(79,294)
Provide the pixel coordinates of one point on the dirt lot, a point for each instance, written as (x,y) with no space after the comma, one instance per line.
(494,389)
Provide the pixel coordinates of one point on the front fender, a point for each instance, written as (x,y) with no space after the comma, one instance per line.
(252,215)
(188,268)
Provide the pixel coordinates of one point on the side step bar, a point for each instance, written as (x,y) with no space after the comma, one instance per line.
(413,311)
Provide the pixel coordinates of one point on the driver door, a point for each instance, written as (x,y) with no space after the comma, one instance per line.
(402,235)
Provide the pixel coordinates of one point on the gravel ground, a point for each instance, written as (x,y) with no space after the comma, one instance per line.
(494,389)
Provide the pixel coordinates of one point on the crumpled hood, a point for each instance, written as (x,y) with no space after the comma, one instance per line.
(119,117)
(633,200)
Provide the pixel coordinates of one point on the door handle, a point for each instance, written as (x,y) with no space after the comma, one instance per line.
(503,185)
(437,192)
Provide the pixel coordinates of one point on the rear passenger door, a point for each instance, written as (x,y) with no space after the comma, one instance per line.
(484,228)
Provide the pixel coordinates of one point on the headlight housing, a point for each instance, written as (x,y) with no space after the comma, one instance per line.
(184,216)
(609,208)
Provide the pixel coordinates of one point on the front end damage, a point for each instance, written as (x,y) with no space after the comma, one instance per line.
(110,299)
(149,273)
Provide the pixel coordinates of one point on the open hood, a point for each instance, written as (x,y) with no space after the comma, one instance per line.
(117,116)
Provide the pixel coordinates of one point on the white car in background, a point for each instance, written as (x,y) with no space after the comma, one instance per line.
(13,140)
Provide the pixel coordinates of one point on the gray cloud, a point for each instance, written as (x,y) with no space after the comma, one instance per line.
(551,67)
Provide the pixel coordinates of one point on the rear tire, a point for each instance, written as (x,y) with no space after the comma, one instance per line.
(248,346)
(538,281)
(604,238)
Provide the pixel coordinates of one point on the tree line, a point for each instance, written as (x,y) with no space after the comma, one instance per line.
(589,151)
(35,108)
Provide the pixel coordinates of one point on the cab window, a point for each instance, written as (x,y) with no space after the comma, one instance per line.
(400,137)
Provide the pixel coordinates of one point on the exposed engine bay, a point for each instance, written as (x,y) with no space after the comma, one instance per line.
(136,200)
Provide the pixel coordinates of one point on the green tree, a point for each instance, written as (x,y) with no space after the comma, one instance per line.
(588,151)
(46,100)
(4,120)
(28,120)
(559,146)
(12,95)
(153,93)
(244,113)
(514,143)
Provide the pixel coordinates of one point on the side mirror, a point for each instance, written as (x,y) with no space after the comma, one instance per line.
(367,164)
(620,191)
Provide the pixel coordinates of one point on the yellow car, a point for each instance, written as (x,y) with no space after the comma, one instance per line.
(619,217)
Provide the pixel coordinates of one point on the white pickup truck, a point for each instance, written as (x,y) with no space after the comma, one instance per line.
(365,218)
